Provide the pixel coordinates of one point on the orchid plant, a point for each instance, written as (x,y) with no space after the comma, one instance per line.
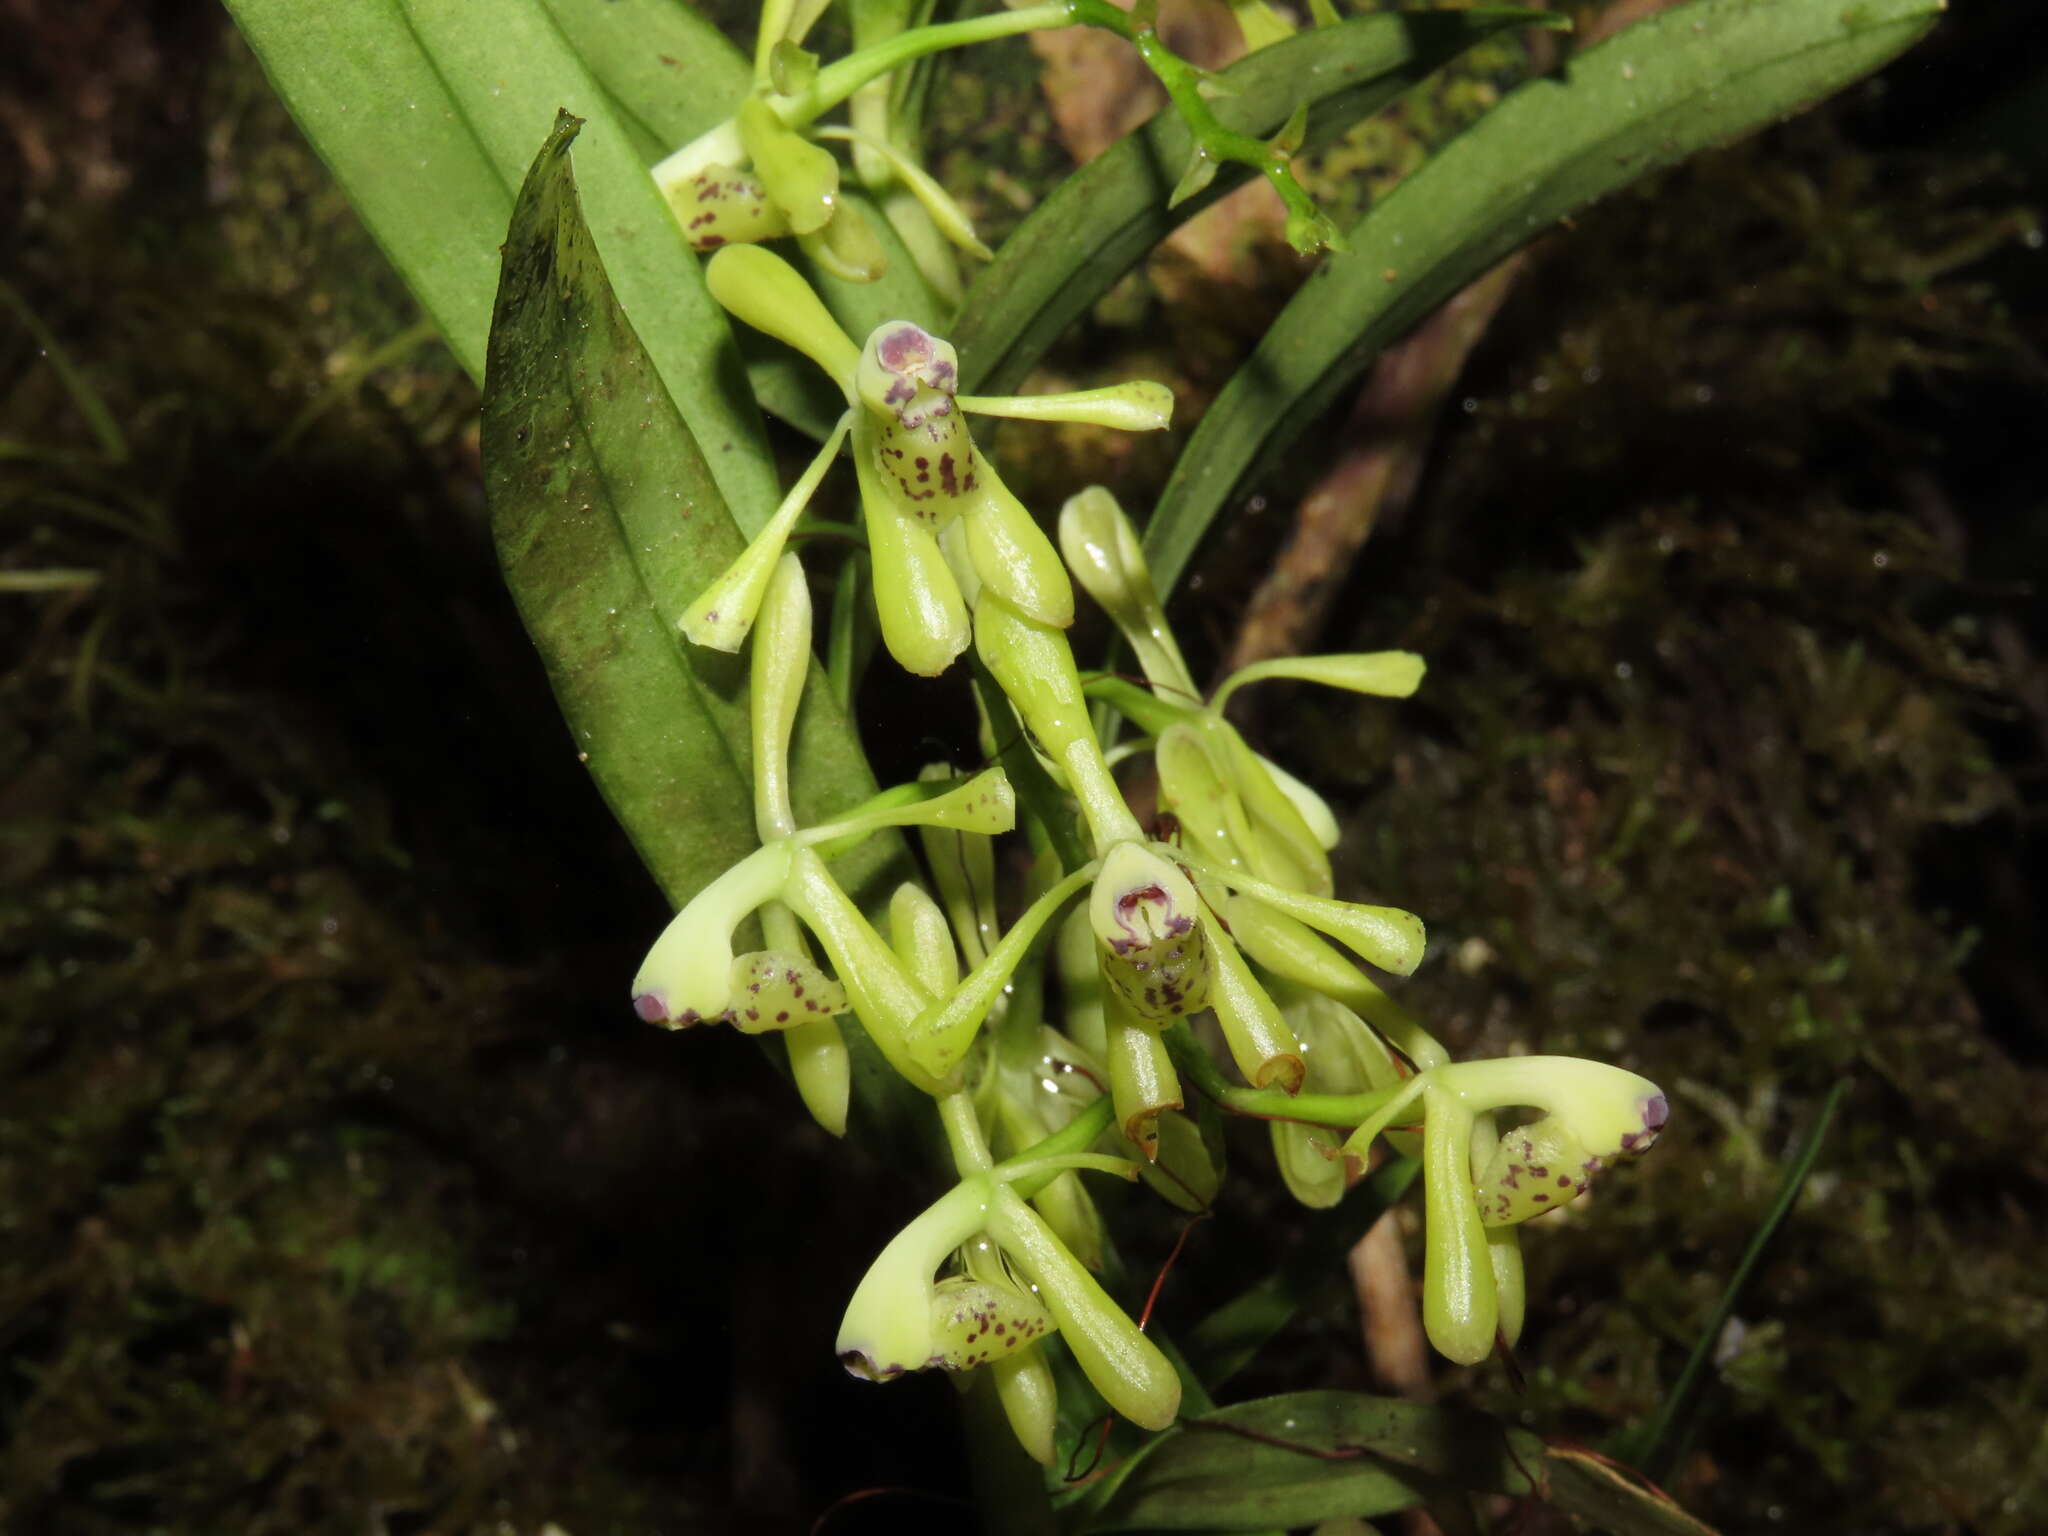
(1209,925)
(1070,990)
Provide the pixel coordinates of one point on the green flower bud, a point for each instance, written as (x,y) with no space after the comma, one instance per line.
(1147,919)
(801,178)
(774,989)
(1012,556)
(1030,1400)
(1102,548)
(918,933)
(766,292)
(975,1321)
(923,617)
(723,206)
(1460,1307)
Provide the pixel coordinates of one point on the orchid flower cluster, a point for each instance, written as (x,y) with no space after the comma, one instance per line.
(1058,1043)
(763,174)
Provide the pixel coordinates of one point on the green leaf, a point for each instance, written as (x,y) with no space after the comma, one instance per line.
(671,74)
(427,115)
(1309,1456)
(608,520)
(1597,1491)
(1099,222)
(1690,77)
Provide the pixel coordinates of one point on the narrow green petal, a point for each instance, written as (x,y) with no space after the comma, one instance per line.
(1142,1081)
(723,613)
(946,215)
(1384,674)
(1102,548)
(1388,937)
(1127,1368)
(1141,405)
(766,292)
(1011,554)
(1460,1308)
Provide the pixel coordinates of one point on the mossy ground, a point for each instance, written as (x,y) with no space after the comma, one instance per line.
(338,1193)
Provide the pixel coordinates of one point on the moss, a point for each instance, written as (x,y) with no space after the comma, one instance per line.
(1710,700)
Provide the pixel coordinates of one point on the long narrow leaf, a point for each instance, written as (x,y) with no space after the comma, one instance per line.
(1309,1456)
(427,111)
(608,520)
(1691,77)
(1099,223)
(672,73)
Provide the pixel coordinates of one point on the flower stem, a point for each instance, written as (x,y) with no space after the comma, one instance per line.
(1308,228)
(1340,1111)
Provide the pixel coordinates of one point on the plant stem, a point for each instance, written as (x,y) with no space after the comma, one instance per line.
(1341,1111)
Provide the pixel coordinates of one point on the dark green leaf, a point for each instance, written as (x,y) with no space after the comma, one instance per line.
(1592,1489)
(1310,1456)
(1099,223)
(608,521)
(427,114)
(1688,78)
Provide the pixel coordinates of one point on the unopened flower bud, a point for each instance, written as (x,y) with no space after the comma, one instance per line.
(1102,547)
